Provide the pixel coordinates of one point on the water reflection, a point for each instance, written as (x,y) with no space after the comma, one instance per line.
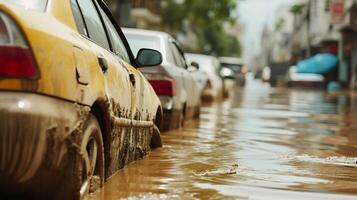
(262,143)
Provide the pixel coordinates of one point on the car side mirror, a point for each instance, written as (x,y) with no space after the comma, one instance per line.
(195,65)
(148,58)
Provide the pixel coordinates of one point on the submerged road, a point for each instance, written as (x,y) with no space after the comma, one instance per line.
(261,143)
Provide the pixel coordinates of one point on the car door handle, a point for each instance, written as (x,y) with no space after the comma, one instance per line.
(103,63)
(132,79)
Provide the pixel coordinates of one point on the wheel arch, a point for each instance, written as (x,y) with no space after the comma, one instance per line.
(156,141)
(158,121)
(101,112)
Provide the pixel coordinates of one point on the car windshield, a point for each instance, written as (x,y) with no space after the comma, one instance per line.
(235,67)
(137,42)
(39,5)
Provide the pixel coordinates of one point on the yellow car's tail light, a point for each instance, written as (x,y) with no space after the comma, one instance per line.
(16,58)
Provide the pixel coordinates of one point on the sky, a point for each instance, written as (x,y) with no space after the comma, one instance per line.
(254,15)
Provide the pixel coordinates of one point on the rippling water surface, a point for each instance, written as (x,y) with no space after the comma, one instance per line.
(261,143)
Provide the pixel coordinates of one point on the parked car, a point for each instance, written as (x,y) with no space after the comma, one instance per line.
(73,107)
(233,68)
(266,74)
(275,73)
(210,65)
(172,82)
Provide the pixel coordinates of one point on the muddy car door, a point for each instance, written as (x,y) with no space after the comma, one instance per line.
(110,58)
(139,86)
(100,42)
(134,141)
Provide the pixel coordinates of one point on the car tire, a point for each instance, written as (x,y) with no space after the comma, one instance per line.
(156,141)
(88,168)
(197,112)
(182,117)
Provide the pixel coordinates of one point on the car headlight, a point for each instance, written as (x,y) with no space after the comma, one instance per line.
(226,72)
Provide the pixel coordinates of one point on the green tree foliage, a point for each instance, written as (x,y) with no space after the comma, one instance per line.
(297,9)
(206,19)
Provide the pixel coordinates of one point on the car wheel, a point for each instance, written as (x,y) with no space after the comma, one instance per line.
(197,112)
(156,141)
(90,166)
(182,118)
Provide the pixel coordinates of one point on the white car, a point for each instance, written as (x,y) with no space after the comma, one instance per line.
(209,65)
(171,80)
(266,74)
(233,68)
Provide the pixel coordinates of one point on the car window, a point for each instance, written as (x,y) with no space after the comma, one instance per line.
(118,47)
(181,55)
(39,5)
(235,67)
(93,23)
(78,18)
(136,42)
(180,61)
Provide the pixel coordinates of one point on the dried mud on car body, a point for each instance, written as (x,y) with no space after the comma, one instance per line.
(39,155)
(38,135)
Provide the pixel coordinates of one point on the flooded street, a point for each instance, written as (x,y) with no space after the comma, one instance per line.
(261,143)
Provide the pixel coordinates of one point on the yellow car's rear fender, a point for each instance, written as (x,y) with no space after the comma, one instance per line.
(53,44)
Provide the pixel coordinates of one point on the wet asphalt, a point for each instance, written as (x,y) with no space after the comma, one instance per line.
(262,142)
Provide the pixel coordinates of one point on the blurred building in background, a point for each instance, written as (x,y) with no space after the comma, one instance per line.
(199,28)
(349,42)
(318,26)
(277,45)
(145,13)
(137,13)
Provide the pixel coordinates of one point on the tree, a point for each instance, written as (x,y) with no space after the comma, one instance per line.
(205,19)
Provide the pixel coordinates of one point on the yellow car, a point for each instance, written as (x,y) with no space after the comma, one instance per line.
(73,107)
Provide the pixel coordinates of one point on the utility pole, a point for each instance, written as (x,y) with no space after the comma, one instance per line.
(308,21)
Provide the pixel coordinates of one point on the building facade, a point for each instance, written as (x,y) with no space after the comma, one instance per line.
(319,26)
(137,13)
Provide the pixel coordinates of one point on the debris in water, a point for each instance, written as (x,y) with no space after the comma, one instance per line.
(232,170)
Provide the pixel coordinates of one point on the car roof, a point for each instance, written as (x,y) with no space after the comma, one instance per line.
(202,56)
(162,36)
(146,32)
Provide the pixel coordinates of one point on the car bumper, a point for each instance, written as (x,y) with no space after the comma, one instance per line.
(35,140)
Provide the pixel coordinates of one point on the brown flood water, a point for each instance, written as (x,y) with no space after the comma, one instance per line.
(261,143)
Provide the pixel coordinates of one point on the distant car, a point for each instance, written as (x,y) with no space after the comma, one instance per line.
(275,72)
(233,68)
(266,74)
(304,79)
(171,80)
(210,65)
(73,107)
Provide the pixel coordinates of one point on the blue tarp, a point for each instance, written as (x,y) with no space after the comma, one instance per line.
(318,64)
